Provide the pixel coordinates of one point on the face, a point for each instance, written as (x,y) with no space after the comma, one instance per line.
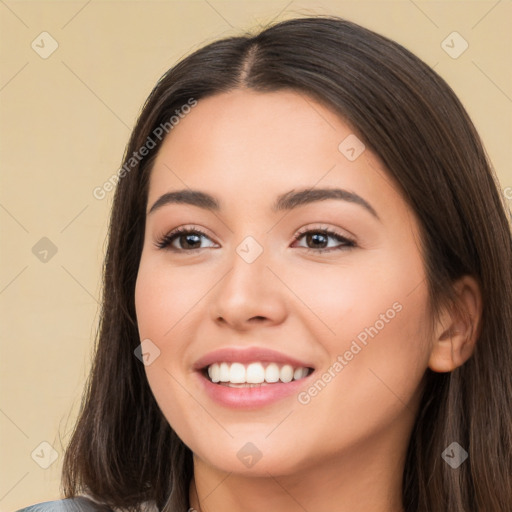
(329,293)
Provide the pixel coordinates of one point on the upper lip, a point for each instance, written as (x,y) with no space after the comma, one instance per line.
(247,355)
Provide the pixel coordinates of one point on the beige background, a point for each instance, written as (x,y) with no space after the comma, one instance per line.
(65,122)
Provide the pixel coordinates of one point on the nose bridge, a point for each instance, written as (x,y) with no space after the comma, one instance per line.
(248,289)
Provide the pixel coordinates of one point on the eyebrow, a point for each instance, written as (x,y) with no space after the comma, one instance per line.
(287,201)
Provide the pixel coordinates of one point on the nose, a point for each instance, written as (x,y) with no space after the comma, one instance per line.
(249,294)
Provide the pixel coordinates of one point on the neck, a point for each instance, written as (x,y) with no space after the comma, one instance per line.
(361,479)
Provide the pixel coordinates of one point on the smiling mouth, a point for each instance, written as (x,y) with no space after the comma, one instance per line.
(256,374)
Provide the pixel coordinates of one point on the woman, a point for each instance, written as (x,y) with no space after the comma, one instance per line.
(307,291)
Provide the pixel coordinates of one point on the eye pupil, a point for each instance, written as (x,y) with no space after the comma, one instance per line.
(188,236)
(315,237)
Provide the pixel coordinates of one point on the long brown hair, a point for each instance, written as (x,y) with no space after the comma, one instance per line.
(124,452)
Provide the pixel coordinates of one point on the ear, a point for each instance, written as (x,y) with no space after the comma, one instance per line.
(457,328)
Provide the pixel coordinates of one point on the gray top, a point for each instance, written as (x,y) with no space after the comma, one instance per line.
(78,504)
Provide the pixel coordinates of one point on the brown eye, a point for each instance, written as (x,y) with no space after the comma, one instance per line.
(188,240)
(317,240)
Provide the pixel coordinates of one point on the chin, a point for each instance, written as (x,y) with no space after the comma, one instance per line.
(249,460)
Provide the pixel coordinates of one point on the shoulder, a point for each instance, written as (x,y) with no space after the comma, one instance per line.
(77,504)
(80,504)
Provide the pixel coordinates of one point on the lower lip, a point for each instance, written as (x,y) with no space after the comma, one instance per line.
(251,397)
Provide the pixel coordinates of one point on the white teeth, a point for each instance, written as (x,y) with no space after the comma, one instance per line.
(237,373)
(254,374)
(214,372)
(286,374)
(300,373)
(272,373)
(224,372)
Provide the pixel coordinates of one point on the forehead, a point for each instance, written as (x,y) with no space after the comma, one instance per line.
(251,146)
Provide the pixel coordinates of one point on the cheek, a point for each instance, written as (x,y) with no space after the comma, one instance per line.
(162,298)
(169,306)
(380,351)
(374,323)
(164,295)
(340,302)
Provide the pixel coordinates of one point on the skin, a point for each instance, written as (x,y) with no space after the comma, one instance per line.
(345,449)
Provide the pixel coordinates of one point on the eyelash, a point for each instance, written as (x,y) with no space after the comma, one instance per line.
(347,243)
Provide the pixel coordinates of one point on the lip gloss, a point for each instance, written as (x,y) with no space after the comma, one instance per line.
(250,397)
